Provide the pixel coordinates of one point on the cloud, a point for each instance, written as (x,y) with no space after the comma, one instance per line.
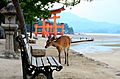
(99,10)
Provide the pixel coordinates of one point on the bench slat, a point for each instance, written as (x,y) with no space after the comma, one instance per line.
(39,62)
(56,61)
(25,40)
(45,61)
(51,61)
(29,51)
(30,57)
(34,61)
(27,47)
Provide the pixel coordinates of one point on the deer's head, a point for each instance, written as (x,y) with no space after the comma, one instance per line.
(50,41)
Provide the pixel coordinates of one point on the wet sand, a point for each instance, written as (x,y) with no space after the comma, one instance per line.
(88,66)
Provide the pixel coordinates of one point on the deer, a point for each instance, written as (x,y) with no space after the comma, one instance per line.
(62,44)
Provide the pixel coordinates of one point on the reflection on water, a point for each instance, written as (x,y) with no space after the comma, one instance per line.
(97,46)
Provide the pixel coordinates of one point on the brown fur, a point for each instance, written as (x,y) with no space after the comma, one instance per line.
(62,44)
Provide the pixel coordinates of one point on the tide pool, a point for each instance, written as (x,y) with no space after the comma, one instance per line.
(96,46)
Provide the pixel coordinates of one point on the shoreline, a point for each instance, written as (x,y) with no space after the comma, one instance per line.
(111,58)
(86,66)
(107,34)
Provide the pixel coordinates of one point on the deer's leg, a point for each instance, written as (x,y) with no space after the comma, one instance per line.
(59,56)
(65,55)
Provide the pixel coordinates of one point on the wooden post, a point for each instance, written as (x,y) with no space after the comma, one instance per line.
(55,25)
(36,30)
(43,28)
(50,29)
(62,27)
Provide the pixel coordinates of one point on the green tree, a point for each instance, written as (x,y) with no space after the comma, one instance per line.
(2,4)
(32,8)
(35,8)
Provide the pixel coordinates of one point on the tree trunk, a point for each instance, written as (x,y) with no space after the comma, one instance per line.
(20,16)
(31,29)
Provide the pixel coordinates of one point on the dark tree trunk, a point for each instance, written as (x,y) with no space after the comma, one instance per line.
(20,16)
(31,30)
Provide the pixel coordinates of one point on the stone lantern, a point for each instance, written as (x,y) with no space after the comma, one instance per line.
(10,27)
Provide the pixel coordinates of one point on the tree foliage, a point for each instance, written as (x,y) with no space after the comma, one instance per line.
(39,8)
(2,4)
(31,9)
(36,8)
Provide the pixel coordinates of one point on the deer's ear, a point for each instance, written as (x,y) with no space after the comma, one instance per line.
(54,37)
(49,37)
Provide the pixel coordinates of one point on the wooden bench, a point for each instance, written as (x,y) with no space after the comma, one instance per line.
(36,67)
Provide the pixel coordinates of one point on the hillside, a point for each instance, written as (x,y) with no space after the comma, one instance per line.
(82,25)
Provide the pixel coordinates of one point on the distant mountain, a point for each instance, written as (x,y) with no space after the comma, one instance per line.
(67,29)
(82,25)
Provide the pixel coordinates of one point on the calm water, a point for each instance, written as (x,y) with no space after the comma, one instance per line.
(105,46)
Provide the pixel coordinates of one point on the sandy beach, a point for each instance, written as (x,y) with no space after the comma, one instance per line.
(87,66)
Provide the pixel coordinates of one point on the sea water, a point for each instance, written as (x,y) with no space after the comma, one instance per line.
(96,46)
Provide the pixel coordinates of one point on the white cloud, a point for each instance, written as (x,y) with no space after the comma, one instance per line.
(99,10)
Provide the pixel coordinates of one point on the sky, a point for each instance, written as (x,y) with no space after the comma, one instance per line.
(98,10)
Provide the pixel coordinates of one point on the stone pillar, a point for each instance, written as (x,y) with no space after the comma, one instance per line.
(9,41)
(10,27)
(9,45)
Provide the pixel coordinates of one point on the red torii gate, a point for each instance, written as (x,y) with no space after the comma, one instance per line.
(46,25)
(43,27)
